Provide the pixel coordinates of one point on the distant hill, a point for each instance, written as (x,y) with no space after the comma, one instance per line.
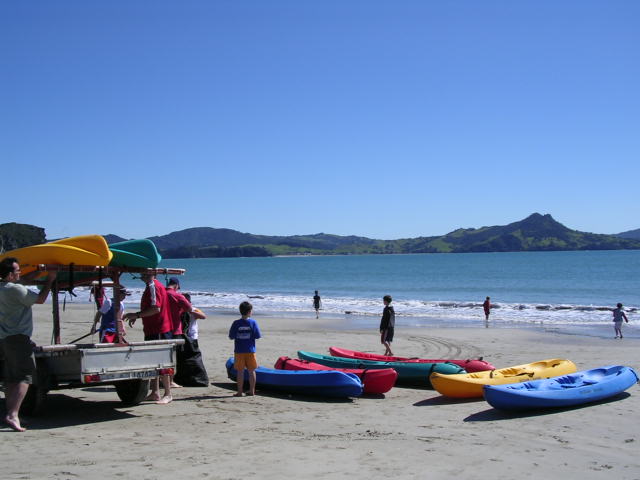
(111,238)
(535,233)
(18,235)
(207,241)
(632,234)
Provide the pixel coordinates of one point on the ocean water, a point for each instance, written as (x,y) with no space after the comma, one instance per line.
(571,292)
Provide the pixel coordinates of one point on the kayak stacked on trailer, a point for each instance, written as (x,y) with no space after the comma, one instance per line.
(129,366)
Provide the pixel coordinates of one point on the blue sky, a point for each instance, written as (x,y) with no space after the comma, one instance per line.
(387,119)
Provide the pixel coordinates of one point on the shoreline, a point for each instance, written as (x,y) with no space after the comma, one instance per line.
(87,432)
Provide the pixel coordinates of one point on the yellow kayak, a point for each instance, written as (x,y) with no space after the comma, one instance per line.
(469,385)
(82,250)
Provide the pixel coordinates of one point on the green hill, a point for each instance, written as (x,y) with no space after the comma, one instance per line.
(535,233)
(633,234)
(18,235)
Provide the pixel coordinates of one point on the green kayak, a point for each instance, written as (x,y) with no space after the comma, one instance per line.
(408,373)
(135,253)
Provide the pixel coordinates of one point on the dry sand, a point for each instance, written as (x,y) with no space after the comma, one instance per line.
(408,433)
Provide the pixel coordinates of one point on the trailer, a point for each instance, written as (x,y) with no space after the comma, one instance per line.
(128,366)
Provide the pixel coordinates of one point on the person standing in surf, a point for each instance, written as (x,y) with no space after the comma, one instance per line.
(486,306)
(317,304)
(387,325)
(618,316)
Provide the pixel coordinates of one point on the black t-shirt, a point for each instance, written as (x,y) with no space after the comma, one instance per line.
(388,319)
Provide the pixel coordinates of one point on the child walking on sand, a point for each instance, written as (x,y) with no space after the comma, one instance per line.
(244,333)
(387,325)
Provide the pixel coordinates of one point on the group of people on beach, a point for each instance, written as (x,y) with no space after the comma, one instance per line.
(166,314)
(618,316)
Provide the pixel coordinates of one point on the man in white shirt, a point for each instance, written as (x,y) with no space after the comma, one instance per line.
(16,328)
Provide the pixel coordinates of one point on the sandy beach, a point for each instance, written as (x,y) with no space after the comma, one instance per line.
(408,433)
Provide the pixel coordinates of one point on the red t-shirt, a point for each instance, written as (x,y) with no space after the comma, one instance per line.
(155,294)
(177,305)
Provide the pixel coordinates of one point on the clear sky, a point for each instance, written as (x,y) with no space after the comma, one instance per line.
(386,119)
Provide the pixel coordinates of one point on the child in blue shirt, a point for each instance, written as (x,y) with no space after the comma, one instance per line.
(244,333)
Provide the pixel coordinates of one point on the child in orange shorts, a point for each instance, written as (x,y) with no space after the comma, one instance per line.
(244,332)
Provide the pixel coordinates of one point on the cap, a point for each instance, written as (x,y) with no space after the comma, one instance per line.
(174,281)
(124,290)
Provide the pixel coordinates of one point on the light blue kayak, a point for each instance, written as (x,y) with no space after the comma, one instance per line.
(564,391)
(324,383)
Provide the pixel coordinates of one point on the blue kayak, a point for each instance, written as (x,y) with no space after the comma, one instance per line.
(564,391)
(325,383)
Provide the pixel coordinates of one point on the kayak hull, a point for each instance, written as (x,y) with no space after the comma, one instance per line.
(82,250)
(408,373)
(329,383)
(374,381)
(565,391)
(470,365)
(135,253)
(470,385)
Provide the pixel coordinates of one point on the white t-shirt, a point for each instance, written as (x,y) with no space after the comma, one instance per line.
(192,331)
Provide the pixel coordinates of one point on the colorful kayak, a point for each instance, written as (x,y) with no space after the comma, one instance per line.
(470,365)
(83,250)
(374,381)
(325,383)
(469,385)
(135,253)
(408,373)
(565,391)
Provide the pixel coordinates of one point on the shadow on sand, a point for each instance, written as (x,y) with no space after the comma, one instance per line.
(65,411)
(442,400)
(284,395)
(493,414)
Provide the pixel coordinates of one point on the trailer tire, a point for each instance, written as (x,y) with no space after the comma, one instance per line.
(132,392)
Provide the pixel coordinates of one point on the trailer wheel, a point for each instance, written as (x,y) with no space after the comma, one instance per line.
(132,392)
(34,402)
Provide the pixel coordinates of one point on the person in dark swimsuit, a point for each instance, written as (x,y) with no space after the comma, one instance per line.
(317,303)
(387,325)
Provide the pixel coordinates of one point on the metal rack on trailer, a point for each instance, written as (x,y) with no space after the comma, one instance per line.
(128,366)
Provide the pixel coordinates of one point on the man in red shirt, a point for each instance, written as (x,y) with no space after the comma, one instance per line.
(156,324)
(177,305)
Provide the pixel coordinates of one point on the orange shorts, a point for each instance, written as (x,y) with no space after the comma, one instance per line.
(245,360)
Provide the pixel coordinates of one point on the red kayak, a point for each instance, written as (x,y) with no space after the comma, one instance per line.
(470,365)
(374,381)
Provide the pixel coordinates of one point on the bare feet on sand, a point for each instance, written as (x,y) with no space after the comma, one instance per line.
(175,385)
(152,397)
(238,395)
(164,400)
(14,423)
